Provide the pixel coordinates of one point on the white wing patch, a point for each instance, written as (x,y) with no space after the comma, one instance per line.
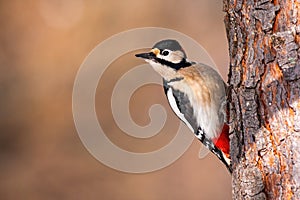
(173,104)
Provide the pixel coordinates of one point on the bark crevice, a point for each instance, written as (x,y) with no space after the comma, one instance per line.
(264,107)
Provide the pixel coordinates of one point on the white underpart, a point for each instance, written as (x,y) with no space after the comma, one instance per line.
(175,108)
(207,118)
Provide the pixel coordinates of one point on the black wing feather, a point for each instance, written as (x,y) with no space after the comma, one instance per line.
(184,106)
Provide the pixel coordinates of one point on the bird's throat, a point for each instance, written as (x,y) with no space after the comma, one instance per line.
(166,72)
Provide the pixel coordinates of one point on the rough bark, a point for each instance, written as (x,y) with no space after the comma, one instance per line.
(264,103)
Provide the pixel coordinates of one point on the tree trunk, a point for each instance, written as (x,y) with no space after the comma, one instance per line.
(264,102)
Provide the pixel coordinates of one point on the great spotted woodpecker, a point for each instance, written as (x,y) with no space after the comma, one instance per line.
(196,94)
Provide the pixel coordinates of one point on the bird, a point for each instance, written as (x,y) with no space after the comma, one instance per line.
(196,93)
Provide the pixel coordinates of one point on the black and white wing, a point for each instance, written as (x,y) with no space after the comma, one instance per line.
(181,106)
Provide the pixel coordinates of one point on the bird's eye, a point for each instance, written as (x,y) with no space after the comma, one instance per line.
(165,52)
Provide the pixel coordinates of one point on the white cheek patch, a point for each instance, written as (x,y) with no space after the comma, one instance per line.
(173,57)
(173,104)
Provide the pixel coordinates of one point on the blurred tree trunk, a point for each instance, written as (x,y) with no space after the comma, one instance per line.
(264,77)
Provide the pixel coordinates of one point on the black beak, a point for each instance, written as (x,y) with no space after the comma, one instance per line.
(149,55)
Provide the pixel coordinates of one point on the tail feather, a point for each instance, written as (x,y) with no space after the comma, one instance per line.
(223,143)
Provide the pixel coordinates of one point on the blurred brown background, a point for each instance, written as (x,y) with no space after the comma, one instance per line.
(42,46)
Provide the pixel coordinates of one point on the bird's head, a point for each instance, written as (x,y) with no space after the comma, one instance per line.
(166,53)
